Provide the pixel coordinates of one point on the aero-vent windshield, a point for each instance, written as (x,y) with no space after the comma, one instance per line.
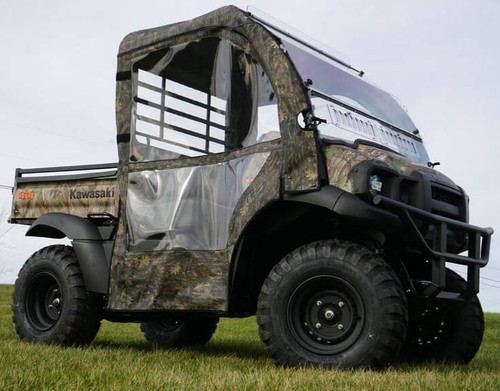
(348,88)
(351,107)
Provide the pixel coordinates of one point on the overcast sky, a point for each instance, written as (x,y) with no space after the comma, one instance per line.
(440,58)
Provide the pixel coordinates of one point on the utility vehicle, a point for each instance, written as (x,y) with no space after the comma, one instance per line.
(257,174)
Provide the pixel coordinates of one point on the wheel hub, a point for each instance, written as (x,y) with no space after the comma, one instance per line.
(326,314)
(329,314)
(44,302)
(54,303)
(329,318)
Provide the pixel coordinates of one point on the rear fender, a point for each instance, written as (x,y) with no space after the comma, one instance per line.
(93,253)
(60,225)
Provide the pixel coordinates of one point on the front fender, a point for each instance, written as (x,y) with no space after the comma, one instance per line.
(350,207)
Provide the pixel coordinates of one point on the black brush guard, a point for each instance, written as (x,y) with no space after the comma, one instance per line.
(478,247)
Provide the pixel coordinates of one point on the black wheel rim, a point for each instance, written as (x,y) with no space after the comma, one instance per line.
(325,315)
(44,302)
(169,324)
(433,325)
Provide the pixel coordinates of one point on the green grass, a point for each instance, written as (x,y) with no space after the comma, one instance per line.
(121,359)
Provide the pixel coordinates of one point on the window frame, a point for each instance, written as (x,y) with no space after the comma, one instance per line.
(208,106)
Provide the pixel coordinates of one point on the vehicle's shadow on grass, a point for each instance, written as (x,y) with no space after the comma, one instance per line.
(216,349)
(109,344)
(255,352)
(477,365)
(241,349)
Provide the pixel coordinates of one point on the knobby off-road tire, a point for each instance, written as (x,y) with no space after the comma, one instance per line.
(446,332)
(173,333)
(332,304)
(50,301)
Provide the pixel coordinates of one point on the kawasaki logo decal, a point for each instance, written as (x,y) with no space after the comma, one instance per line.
(79,195)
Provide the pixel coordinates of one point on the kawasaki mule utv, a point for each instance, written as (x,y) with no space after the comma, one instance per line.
(257,174)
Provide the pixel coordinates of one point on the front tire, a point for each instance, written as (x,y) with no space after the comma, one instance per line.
(332,304)
(449,332)
(50,301)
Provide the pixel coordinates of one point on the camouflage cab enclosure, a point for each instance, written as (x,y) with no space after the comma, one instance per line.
(211,117)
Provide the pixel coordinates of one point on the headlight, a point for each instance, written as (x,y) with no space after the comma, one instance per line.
(375,185)
(373,178)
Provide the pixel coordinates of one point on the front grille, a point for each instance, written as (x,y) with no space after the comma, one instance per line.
(440,197)
(447,202)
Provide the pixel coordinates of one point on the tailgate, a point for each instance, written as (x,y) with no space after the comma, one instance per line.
(76,190)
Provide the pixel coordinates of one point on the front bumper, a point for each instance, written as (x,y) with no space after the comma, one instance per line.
(478,247)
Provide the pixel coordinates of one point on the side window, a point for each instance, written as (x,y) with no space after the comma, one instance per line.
(200,98)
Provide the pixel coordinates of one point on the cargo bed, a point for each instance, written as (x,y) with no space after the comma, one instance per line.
(77,190)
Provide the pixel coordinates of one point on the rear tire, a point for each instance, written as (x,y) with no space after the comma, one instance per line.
(50,301)
(446,332)
(172,333)
(332,304)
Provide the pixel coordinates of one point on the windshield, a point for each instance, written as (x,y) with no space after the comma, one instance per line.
(348,88)
(352,109)
(348,107)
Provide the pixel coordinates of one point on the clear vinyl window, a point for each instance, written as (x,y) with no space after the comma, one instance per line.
(187,207)
(200,98)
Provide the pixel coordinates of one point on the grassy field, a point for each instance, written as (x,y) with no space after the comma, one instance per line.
(121,359)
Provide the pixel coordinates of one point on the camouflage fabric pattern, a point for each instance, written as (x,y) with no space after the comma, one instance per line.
(300,165)
(341,160)
(80,197)
(263,190)
(189,279)
(158,280)
(177,279)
